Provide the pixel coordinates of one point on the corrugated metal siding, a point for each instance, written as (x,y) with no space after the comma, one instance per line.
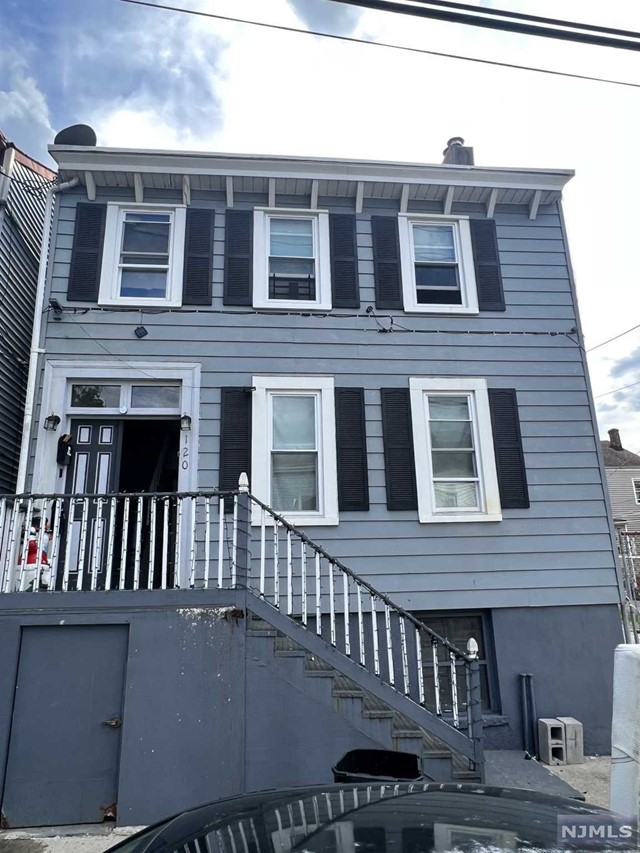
(556,552)
(20,237)
(623,500)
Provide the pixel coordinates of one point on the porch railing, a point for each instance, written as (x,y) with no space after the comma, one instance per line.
(210,539)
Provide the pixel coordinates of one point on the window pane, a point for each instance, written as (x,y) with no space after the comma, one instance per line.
(155,396)
(452,434)
(95,396)
(451,495)
(291,238)
(453,463)
(294,422)
(294,481)
(291,266)
(433,243)
(145,284)
(449,408)
(146,237)
(437,276)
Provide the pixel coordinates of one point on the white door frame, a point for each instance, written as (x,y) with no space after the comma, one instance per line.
(59,373)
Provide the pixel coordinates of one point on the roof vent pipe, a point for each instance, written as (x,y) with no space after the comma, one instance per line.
(457,153)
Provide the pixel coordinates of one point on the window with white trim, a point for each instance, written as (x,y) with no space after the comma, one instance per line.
(455,464)
(437,264)
(294,447)
(142,262)
(636,490)
(291,263)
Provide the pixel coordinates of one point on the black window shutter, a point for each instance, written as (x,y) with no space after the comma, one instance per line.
(344,261)
(507,441)
(86,254)
(397,437)
(487,265)
(386,262)
(351,441)
(238,257)
(198,257)
(235,437)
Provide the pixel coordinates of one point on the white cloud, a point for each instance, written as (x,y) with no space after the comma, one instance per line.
(24,113)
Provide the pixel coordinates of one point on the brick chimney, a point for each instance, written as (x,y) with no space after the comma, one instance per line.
(614,440)
(457,153)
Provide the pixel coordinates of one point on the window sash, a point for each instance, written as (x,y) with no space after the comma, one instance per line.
(160,255)
(475,480)
(301,279)
(436,291)
(304,449)
(484,479)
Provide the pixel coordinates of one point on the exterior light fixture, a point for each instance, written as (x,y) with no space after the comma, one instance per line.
(185,423)
(52,422)
(140,332)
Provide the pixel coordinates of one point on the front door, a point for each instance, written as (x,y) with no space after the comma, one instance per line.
(65,732)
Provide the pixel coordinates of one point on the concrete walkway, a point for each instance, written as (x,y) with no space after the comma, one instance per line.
(92,838)
(591,778)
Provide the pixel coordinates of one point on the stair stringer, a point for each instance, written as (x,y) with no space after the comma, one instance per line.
(369,682)
(321,690)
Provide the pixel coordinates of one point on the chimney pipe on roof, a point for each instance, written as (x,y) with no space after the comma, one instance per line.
(614,440)
(457,153)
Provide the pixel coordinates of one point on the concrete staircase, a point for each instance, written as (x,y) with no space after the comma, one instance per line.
(365,712)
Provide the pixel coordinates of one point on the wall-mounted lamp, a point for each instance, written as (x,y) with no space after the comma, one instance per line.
(52,422)
(140,332)
(185,423)
(57,309)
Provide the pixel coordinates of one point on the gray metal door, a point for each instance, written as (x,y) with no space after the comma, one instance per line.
(65,733)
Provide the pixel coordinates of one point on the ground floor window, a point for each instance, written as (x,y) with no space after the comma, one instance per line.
(459,627)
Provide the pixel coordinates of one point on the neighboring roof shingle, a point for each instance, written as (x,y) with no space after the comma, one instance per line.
(616,458)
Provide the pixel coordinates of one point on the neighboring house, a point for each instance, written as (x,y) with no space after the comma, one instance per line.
(388,351)
(622,468)
(23,182)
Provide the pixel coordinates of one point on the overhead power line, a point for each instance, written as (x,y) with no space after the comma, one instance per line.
(521,16)
(614,390)
(494,24)
(614,338)
(353,40)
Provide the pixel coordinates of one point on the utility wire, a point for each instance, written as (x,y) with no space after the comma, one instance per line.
(521,16)
(353,40)
(615,338)
(508,26)
(614,390)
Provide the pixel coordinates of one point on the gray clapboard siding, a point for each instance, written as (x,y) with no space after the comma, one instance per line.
(623,499)
(557,552)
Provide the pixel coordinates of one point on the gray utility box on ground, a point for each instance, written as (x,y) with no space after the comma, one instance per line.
(560,740)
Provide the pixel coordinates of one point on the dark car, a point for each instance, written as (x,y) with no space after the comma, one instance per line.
(387,818)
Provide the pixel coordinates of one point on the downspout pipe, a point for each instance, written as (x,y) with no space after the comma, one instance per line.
(35,351)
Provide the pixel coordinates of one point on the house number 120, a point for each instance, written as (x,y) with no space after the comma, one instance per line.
(185,454)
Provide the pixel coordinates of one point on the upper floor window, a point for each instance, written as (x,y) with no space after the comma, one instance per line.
(437,264)
(291,259)
(142,262)
(636,490)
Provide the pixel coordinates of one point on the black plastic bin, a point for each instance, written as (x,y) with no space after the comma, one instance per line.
(382,765)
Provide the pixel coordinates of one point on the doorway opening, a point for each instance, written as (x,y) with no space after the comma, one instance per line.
(149,456)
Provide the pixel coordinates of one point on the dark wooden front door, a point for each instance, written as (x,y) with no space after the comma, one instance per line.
(65,732)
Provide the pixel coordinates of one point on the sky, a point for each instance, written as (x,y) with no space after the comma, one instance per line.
(149,78)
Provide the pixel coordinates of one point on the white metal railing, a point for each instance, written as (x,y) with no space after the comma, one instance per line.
(299,578)
(60,543)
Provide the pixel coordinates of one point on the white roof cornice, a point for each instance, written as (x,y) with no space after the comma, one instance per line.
(82,159)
